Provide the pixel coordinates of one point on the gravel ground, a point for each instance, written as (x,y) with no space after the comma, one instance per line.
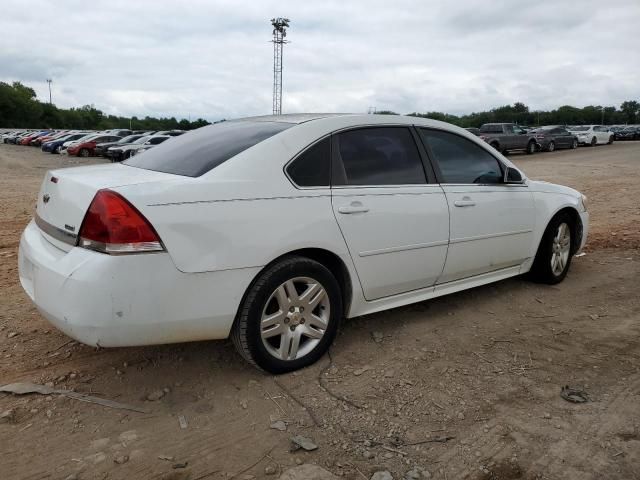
(465,386)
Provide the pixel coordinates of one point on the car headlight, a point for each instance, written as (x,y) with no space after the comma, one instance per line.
(583,201)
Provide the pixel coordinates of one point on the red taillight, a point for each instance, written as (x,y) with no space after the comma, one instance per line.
(112,225)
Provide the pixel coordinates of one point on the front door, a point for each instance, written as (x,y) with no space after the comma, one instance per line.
(491,223)
(395,224)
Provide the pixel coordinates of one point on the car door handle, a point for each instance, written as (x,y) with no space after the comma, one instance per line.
(355,207)
(465,202)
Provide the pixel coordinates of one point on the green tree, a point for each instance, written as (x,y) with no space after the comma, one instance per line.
(630,110)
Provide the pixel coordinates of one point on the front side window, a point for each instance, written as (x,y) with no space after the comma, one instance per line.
(460,160)
(378,156)
(312,168)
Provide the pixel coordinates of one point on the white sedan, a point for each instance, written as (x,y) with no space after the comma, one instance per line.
(592,134)
(271,230)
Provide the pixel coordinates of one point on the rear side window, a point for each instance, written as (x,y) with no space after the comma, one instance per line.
(312,167)
(487,128)
(197,152)
(460,160)
(378,156)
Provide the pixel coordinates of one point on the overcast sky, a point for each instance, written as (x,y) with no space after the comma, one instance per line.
(213,58)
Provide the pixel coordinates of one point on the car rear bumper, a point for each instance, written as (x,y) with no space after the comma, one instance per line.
(108,301)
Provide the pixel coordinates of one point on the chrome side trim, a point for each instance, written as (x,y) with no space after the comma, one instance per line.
(490,235)
(402,248)
(55,232)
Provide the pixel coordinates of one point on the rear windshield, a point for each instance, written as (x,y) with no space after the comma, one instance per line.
(195,153)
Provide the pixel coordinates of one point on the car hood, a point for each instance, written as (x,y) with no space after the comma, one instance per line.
(546,187)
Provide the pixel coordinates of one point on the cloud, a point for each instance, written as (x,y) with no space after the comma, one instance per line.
(213,59)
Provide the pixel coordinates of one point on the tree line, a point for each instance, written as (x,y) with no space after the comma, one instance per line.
(19,108)
(628,113)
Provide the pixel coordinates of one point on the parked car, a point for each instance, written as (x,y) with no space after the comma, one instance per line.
(271,230)
(171,133)
(554,136)
(37,142)
(102,148)
(592,134)
(118,154)
(27,139)
(13,136)
(86,137)
(55,146)
(506,137)
(118,132)
(627,133)
(86,148)
(154,141)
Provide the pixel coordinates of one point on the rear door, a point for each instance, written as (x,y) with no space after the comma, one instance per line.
(564,138)
(395,223)
(491,223)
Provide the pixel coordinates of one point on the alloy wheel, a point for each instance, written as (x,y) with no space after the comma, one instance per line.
(560,249)
(295,318)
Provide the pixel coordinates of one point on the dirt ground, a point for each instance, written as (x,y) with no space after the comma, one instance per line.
(465,386)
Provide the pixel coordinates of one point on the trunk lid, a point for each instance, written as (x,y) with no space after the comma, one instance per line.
(65,196)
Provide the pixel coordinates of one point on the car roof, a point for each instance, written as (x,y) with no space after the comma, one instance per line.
(294,118)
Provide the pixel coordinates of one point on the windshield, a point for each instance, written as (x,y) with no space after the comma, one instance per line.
(129,139)
(199,151)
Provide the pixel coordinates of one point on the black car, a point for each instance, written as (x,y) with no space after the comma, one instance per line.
(102,148)
(627,133)
(554,136)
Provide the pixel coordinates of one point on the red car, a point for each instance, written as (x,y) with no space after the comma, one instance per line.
(36,142)
(27,139)
(87,148)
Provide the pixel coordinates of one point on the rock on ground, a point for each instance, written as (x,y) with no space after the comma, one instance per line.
(307,472)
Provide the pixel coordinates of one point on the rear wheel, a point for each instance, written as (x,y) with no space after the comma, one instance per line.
(594,140)
(495,145)
(531,147)
(551,147)
(289,316)
(58,149)
(555,251)
(84,152)
(610,140)
(574,144)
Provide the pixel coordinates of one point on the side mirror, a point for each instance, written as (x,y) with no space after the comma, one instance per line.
(513,176)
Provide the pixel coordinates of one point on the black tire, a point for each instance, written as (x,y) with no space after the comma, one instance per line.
(610,140)
(495,145)
(245,332)
(84,152)
(541,270)
(593,143)
(574,144)
(551,147)
(531,147)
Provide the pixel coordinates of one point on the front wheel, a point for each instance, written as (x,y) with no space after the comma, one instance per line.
(594,141)
(574,144)
(553,258)
(610,140)
(551,147)
(84,152)
(289,316)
